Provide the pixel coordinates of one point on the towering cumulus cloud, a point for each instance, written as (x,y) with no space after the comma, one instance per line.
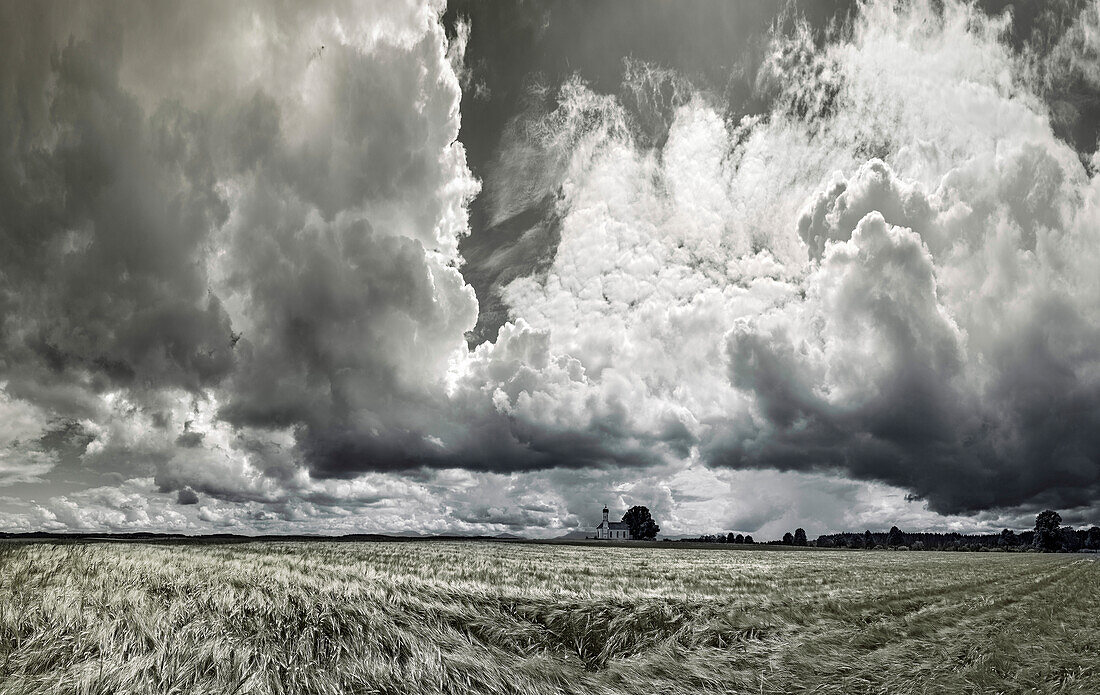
(889,274)
(232,285)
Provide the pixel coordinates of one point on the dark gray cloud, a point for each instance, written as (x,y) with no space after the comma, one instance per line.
(107,207)
(187,496)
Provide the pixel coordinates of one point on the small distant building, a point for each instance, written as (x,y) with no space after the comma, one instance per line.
(613,530)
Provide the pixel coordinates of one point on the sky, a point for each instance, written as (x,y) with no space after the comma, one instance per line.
(484,268)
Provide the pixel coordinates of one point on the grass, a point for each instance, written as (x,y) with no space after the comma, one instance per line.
(467,617)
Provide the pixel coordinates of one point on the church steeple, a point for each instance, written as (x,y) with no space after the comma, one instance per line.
(605,513)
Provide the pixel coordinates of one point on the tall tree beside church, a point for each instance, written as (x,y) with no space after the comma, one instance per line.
(800,536)
(642,526)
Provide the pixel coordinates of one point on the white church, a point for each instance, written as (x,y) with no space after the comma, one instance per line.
(613,530)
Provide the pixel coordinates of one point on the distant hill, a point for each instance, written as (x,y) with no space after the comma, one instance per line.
(573,536)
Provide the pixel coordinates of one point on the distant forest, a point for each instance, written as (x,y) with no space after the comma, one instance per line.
(1048,536)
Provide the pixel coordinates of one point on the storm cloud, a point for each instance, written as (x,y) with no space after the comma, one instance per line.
(346,267)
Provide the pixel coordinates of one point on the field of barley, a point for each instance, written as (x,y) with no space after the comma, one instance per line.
(477,617)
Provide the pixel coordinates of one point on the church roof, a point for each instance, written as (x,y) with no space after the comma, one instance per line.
(615,525)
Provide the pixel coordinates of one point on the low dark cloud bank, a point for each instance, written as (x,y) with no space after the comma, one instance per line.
(305,265)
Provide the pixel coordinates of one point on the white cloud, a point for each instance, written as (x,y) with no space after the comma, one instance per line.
(23,459)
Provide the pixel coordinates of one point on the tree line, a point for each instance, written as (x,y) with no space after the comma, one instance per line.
(721,538)
(1048,536)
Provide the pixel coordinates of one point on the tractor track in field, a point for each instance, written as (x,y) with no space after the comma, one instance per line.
(1002,594)
(902,635)
(861,621)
